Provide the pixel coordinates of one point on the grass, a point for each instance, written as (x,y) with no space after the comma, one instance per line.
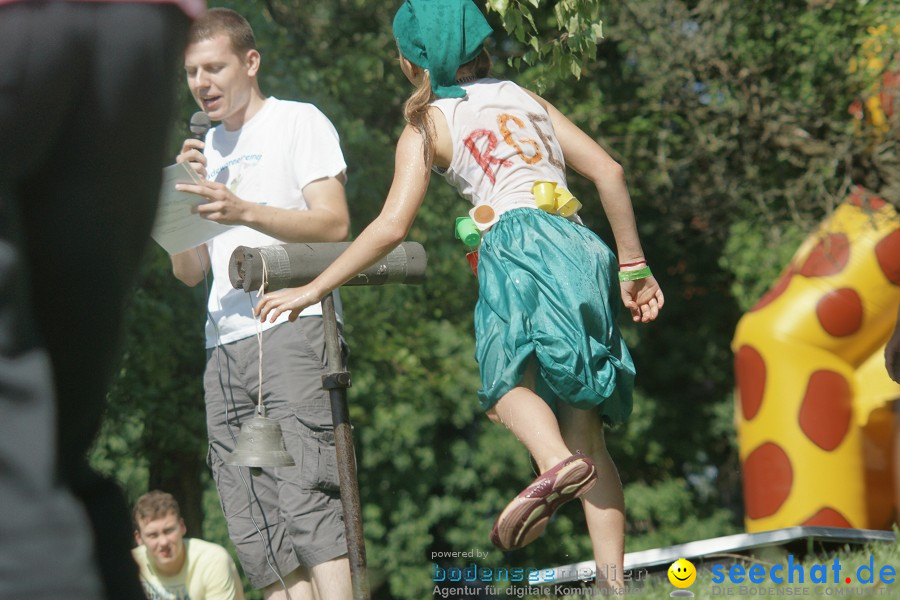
(850,560)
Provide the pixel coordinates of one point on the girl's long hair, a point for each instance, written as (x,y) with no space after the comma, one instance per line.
(415,110)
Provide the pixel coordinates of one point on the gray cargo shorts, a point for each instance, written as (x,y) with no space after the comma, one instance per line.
(291,516)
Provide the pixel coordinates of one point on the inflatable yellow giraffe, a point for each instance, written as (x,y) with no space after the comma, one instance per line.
(813,428)
(813,423)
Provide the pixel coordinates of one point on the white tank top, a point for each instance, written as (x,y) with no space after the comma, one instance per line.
(503,142)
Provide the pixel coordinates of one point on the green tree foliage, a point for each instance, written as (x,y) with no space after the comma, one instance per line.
(731,121)
(560,44)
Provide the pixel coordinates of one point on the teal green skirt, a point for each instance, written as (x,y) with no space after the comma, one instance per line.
(548,294)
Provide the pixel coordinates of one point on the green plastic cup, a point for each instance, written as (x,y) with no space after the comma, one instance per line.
(467,231)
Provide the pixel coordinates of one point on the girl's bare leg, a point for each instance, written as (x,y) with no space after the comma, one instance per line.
(604,504)
(550,441)
(530,419)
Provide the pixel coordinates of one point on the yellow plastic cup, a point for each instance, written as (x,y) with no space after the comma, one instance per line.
(545,195)
(566,204)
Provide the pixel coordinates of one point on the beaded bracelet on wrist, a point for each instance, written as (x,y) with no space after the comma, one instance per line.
(633,264)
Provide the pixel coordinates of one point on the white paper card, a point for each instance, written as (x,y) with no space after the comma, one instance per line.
(177,227)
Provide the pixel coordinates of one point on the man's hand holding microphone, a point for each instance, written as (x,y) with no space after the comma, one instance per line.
(192,148)
(221,205)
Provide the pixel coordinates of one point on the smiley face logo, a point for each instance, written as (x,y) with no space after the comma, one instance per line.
(682,573)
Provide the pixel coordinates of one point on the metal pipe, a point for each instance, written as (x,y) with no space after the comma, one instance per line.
(336,381)
(291,265)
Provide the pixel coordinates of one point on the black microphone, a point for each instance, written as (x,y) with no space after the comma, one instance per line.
(200,124)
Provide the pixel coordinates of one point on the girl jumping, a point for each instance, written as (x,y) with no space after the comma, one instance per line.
(553,364)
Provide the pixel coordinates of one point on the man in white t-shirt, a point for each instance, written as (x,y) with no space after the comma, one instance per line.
(274,170)
(174,567)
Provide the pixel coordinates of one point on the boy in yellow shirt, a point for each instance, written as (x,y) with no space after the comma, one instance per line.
(174,567)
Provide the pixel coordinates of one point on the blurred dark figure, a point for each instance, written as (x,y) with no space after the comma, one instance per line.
(892,364)
(86,96)
(892,353)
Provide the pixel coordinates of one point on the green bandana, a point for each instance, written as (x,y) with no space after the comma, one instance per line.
(441,35)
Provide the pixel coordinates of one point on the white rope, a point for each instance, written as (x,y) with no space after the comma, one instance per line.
(256,320)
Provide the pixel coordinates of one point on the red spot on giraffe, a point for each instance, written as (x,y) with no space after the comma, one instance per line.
(768,477)
(829,257)
(876,203)
(827,517)
(750,372)
(826,410)
(887,252)
(775,291)
(859,199)
(840,312)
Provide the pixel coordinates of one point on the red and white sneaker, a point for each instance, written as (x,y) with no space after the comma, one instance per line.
(526,517)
